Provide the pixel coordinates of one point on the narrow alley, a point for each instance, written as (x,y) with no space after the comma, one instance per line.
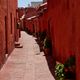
(39,39)
(26,63)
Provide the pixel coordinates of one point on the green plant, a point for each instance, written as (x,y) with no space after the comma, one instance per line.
(59,71)
(70,68)
(42,35)
(47,43)
(70,62)
(66,70)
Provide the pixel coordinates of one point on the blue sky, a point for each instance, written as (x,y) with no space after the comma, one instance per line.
(24,3)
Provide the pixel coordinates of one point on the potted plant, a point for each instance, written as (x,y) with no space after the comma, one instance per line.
(59,71)
(66,71)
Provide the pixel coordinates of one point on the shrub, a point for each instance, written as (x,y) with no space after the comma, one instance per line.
(66,70)
(42,35)
(47,43)
(59,71)
(70,68)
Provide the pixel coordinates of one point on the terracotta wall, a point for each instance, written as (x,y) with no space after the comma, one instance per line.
(21,11)
(65,30)
(77,31)
(43,22)
(3,10)
(11,24)
(7,27)
(62,29)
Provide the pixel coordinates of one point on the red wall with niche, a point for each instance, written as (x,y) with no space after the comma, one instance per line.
(7,37)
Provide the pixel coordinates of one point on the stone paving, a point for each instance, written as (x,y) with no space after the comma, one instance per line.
(26,63)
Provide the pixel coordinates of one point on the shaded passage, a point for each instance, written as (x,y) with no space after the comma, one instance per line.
(26,63)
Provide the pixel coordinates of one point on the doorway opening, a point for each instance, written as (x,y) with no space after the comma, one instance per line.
(6,48)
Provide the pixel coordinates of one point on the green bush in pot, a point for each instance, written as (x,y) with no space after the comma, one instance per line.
(59,71)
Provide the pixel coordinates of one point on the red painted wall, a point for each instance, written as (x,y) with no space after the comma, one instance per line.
(77,31)
(11,24)
(7,36)
(65,30)
(21,11)
(36,24)
(43,17)
(62,28)
(3,9)
(29,13)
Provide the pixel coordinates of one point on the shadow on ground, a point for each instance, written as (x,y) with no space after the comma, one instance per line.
(50,61)
(51,64)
